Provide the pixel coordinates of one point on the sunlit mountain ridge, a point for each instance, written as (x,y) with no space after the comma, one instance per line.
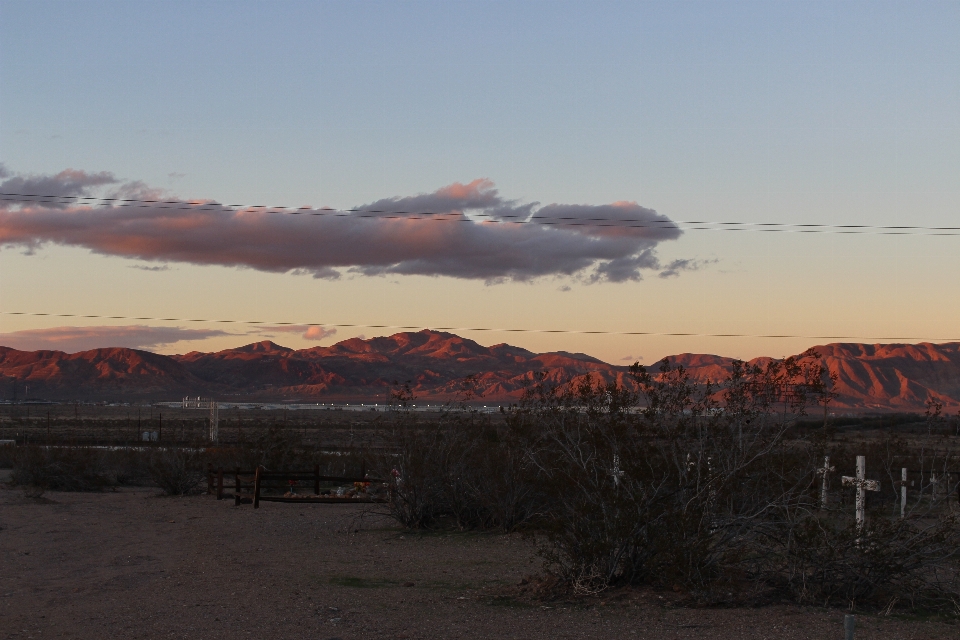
(881,377)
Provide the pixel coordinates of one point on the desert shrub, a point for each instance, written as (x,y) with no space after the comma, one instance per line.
(829,561)
(61,468)
(6,456)
(177,471)
(669,481)
(500,480)
(660,480)
(460,471)
(415,474)
(130,467)
(277,448)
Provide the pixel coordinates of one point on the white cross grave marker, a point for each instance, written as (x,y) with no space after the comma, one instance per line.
(827,469)
(616,472)
(863,485)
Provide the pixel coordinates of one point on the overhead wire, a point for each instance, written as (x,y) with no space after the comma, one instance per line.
(268,323)
(456,216)
(446,216)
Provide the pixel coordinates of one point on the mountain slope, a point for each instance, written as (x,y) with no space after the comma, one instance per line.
(98,373)
(900,377)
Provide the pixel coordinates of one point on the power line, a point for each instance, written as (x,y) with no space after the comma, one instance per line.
(483,329)
(569,221)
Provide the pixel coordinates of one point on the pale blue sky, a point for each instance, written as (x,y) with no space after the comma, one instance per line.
(833,112)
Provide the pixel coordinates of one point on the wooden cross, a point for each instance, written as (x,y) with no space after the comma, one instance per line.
(863,485)
(824,471)
(616,472)
(903,492)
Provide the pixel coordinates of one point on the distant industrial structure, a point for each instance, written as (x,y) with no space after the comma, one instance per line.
(213,406)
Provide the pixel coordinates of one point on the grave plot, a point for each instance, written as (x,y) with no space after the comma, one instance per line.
(262,485)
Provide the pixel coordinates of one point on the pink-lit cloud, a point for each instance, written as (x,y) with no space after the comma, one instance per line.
(477,237)
(73,339)
(307,332)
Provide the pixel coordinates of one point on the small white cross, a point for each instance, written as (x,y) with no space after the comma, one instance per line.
(616,472)
(863,485)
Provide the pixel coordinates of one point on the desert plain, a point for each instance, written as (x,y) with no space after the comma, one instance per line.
(133,564)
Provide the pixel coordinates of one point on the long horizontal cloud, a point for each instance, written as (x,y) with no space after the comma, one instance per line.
(73,339)
(475,235)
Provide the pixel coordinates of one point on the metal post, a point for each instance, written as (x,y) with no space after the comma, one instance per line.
(849,626)
(256,488)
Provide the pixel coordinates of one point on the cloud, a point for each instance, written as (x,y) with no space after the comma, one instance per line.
(308,332)
(631,359)
(73,339)
(673,269)
(143,267)
(318,333)
(69,183)
(476,237)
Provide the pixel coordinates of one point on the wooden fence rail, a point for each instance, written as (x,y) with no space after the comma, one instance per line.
(249,486)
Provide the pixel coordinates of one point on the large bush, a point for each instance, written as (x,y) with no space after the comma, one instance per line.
(178,472)
(461,470)
(61,468)
(658,479)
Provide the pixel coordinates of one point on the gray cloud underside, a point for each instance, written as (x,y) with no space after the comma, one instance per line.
(467,243)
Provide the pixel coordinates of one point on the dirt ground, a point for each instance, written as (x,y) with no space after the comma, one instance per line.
(130,564)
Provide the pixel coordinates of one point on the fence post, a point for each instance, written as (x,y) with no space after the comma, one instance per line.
(236,499)
(256,488)
(849,626)
(316,479)
(209,477)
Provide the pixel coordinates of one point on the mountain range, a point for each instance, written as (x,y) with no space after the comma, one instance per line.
(878,377)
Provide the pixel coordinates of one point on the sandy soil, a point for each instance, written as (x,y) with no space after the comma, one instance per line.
(130,564)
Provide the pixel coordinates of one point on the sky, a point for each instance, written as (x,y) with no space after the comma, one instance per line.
(571,162)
